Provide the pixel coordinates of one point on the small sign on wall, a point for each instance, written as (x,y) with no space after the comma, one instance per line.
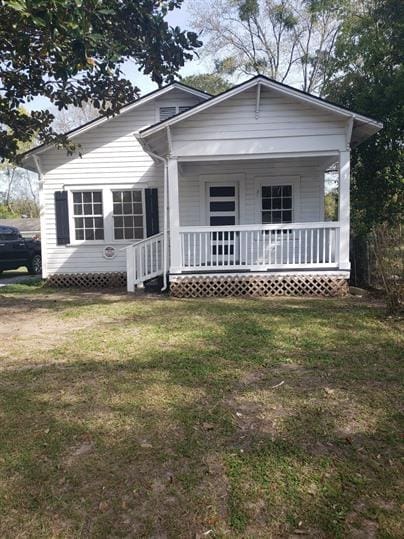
(109,252)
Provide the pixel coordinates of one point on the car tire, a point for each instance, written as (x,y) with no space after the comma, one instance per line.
(35,265)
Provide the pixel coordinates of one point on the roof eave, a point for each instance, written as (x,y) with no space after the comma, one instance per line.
(249,84)
(126,108)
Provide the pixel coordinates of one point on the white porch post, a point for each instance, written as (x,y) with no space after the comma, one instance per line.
(174,209)
(344,209)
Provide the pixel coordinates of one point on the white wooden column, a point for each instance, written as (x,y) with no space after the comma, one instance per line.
(344,209)
(174,211)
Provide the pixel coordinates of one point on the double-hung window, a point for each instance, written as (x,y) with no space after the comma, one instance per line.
(88,215)
(107,215)
(276,204)
(128,215)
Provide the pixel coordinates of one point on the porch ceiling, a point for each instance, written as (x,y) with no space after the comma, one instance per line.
(318,162)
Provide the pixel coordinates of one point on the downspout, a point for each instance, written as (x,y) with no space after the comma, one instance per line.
(165,213)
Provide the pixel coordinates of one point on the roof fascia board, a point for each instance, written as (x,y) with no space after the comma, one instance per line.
(127,108)
(140,101)
(246,86)
(321,103)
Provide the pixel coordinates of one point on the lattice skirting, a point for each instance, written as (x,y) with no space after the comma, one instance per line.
(196,286)
(87,280)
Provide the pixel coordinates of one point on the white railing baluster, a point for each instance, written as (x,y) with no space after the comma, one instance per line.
(329,245)
(144,260)
(271,247)
(294,245)
(311,246)
(299,246)
(282,238)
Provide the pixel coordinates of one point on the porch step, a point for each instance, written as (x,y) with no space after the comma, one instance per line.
(144,260)
(154,285)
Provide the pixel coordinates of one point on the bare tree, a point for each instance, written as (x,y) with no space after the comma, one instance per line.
(72,117)
(20,187)
(288,40)
(20,190)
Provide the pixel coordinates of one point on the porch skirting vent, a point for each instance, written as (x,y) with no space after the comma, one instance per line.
(197,286)
(87,280)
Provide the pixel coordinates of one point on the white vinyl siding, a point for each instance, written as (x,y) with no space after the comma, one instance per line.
(304,173)
(283,124)
(111,158)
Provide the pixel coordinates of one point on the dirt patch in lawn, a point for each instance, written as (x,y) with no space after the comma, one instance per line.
(35,324)
(221,417)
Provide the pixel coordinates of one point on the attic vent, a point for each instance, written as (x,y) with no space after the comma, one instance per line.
(167,112)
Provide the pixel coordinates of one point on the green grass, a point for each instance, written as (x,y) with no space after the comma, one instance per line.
(141,417)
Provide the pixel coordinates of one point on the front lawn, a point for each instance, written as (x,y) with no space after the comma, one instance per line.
(155,417)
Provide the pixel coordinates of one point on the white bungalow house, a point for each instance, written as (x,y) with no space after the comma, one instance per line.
(219,194)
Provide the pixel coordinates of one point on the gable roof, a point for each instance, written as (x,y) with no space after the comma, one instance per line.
(269,83)
(126,108)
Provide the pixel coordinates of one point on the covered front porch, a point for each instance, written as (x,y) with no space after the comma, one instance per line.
(247,216)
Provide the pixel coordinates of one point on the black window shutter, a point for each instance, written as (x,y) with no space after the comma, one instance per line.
(62,218)
(152,212)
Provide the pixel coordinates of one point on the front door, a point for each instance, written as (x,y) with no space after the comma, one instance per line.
(222,211)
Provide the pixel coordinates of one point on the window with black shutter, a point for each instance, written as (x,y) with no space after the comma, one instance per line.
(88,215)
(128,214)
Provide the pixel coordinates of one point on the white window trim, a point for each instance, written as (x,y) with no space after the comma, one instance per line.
(294,181)
(107,208)
(143,195)
(72,228)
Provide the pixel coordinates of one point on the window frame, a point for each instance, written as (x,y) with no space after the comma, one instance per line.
(143,200)
(173,104)
(72,224)
(272,181)
(107,208)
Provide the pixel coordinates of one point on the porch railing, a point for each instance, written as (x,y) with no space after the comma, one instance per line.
(260,247)
(144,260)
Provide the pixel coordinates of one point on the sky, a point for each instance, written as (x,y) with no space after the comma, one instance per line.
(178,17)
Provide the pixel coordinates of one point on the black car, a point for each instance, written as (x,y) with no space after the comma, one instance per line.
(16,251)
